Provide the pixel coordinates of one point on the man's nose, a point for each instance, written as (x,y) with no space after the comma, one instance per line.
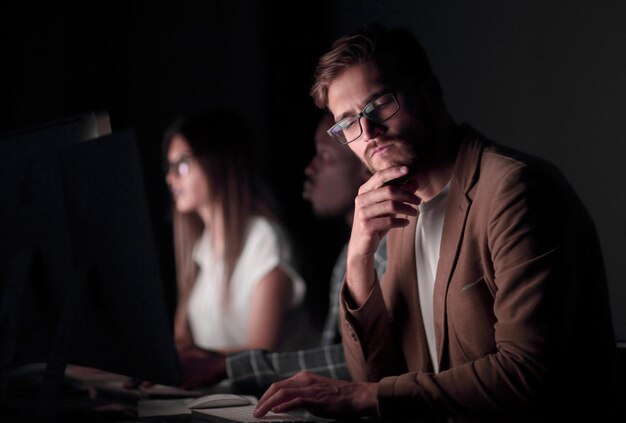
(371,129)
(311,168)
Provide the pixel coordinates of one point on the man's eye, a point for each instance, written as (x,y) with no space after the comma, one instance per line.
(386,99)
(349,124)
(370,108)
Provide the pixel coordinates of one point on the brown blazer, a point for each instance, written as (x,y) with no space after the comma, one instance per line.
(521,307)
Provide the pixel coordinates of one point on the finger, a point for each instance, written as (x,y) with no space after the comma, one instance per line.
(298,402)
(275,388)
(298,383)
(385,209)
(146,384)
(384,194)
(383,224)
(300,380)
(409,185)
(132,384)
(316,406)
(382,176)
(304,401)
(270,399)
(280,397)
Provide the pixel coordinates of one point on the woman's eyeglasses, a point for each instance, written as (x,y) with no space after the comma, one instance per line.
(180,167)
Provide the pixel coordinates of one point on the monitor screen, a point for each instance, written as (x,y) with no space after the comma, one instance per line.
(80,280)
(34,244)
(122,323)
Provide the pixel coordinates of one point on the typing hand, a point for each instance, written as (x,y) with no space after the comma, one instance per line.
(138,384)
(319,395)
(201,368)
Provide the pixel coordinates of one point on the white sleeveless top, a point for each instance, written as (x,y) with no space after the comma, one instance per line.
(214,326)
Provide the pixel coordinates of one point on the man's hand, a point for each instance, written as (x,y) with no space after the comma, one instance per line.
(319,395)
(201,368)
(379,207)
(138,384)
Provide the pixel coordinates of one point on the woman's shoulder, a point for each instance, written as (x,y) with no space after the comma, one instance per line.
(266,229)
(268,245)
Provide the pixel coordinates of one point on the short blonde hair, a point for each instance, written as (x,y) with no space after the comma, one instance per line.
(397,52)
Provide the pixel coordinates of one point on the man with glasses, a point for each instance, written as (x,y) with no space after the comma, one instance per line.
(494,303)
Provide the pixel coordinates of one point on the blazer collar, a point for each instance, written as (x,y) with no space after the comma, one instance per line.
(466,168)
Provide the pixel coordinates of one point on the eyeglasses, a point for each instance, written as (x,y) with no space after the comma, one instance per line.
(378,110)
(180,167)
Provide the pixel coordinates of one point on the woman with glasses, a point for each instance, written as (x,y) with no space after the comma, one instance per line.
(233,261)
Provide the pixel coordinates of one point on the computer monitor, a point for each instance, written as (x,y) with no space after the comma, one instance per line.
(79,274)
(124,324)
(33,237)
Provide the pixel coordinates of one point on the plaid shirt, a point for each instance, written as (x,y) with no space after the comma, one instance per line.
(253,371)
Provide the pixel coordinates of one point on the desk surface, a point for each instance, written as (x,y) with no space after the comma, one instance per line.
(89,395)
(85,395)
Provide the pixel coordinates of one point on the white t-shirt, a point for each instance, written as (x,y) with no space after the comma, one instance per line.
(212,325)
(427,243)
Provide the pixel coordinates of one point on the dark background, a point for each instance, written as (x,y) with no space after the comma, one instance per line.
(544,77)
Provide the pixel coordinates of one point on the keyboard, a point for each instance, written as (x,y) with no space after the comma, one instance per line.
(243,414)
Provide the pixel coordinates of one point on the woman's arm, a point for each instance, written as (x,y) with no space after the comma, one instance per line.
(270,301)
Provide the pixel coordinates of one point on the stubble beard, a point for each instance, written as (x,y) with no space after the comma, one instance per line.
(402,152)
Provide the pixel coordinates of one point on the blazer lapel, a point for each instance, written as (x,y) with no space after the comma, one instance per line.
(463,178)
(453,228)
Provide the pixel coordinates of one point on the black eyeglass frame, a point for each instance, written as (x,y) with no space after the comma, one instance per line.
(364,113)
(175,165)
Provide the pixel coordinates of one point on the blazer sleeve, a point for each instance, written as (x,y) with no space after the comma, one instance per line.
(371,349)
